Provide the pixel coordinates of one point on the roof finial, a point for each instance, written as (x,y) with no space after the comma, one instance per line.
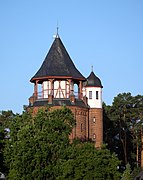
(92,68)
(57,35)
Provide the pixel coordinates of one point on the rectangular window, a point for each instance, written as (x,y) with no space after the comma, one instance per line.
(81,128)
(90,94)
(94,119)
(94,136)
(97,95)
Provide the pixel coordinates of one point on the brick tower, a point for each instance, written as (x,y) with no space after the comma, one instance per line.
(93,92)
(55,85)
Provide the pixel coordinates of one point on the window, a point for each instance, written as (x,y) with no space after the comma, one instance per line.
(90,94)
(97,95)
(94,120)
(94,136)
(81,128)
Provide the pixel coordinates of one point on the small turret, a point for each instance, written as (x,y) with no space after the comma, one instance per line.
(93,91)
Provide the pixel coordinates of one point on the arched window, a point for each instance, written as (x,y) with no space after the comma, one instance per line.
(76,90)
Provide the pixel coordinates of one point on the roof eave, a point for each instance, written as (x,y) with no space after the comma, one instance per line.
(56,77)
(94,86)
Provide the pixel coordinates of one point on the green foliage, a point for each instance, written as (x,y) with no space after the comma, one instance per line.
(85,162)
(136,171)
(5,116)
(39,148)
(123,127)
(37,143)
(127,173)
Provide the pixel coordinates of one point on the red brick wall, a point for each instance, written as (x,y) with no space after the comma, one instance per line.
(96,126)
(85,127)
(81,129)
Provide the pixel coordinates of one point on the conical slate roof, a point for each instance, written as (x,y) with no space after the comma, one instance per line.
(93,81)
(58,64)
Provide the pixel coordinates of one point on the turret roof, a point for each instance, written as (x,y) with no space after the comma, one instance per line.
(93,81)
(58,64)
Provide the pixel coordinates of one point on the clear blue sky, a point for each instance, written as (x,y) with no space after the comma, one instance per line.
(107,34)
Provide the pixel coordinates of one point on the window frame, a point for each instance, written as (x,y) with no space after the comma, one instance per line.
(90,94)
(97,94)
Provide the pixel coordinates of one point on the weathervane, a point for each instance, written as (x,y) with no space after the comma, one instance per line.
(92,68)
(57,35)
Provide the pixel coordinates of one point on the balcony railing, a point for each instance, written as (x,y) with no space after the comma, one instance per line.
(44,95)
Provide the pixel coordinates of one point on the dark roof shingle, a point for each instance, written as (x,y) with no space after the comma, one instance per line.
(58,63)
(93,81)
(59,102)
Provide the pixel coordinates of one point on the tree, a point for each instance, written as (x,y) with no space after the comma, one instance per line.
(119,115)
(136,128)
(123,127)
(4,117)
(86,162)
(39,148)
(121,111)
(37,143)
